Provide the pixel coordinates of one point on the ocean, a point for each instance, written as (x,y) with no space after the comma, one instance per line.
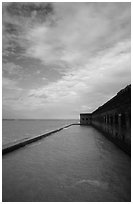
(16,130)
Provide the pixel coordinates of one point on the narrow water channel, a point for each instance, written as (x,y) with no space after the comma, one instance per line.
(76,164)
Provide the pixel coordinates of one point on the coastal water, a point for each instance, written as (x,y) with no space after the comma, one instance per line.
(75,164)
(15,130)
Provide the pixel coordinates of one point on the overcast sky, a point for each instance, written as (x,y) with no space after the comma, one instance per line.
(61,59)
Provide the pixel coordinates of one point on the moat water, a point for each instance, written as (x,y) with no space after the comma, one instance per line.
(75,164)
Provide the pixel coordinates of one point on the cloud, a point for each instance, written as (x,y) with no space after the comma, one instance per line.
(88,44)
(12,69)
(70,34)
(96,81)
(78,33)
(10,84)
(18,18)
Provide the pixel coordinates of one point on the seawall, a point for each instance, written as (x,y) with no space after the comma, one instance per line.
(22,143)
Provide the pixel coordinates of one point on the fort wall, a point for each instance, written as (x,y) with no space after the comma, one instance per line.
(113,119)
(85,118)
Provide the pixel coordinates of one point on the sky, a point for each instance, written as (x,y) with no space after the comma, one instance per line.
(63,59)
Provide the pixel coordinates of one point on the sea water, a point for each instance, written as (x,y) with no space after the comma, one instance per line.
(16,130)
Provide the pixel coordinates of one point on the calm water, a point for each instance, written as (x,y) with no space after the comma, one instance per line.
(14,130)
(75,164)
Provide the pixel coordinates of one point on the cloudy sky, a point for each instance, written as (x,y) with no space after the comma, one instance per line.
(60,59)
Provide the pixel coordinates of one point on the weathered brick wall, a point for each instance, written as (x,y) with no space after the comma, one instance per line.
(85,119)
(114,118)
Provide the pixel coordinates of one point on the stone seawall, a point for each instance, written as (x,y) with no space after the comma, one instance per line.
(22,143)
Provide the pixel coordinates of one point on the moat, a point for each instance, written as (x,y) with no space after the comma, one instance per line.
(75,164)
